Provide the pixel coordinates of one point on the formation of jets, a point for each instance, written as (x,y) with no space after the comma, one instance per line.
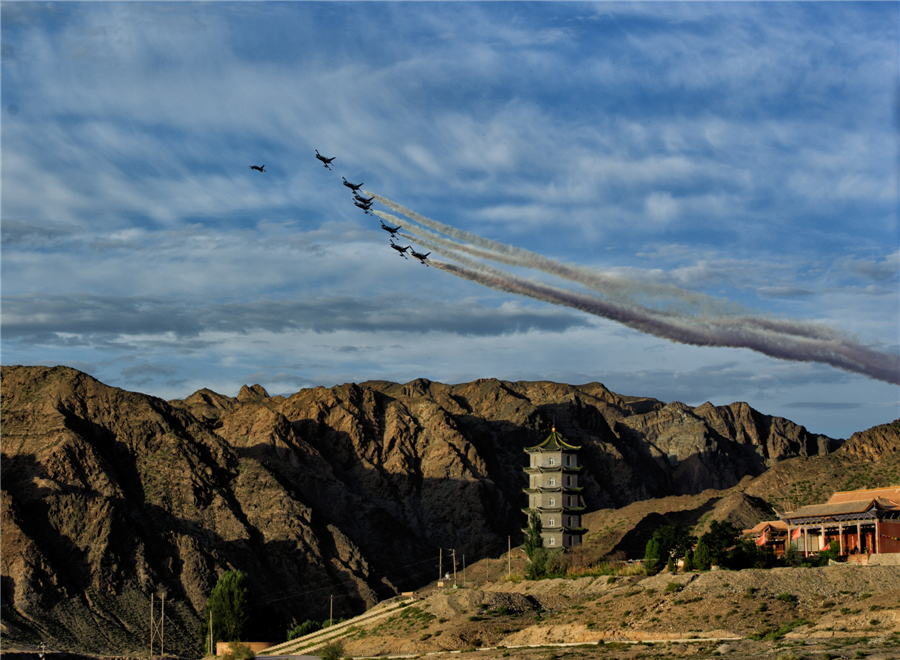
(364,203)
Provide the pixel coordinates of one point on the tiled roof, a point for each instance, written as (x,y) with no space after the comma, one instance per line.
(777,525)
(830,509)
(869,494)
(554,442)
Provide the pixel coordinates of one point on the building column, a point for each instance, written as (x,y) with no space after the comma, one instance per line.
(805,541)
(877,537)
(840,538)
(822,541)
(858,537)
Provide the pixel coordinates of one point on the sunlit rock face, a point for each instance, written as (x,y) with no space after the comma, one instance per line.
(111,496)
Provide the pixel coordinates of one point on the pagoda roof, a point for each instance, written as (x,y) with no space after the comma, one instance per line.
(554,442)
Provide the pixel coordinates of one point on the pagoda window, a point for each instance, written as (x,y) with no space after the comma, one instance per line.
(552,481)
(552,501)
(551,461)
(551,522)
(568,460)
(568,480)
(552,541)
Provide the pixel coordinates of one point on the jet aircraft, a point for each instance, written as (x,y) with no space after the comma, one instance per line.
(363,207)
(352,186)
(364,200)
(258,168)
(401,250)
(391,230)
(419,255)
(327,161)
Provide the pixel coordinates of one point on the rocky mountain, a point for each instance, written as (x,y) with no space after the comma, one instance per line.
(109,496)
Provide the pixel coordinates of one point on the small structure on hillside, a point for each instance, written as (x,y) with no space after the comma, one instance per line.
(553,491)
(861,521)
(769,534)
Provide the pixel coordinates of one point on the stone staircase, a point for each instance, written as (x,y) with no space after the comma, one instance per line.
(308,643)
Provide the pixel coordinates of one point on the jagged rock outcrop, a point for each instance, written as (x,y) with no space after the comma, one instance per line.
(110,496)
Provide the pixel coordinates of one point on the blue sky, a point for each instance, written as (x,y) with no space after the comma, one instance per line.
(745,152)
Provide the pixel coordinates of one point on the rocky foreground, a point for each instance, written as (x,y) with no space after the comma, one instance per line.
(835,610)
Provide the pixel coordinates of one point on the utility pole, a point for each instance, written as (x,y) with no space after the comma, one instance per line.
(441,564)
(508,556)
(454,567)
(464,571)
(210,638)
(157,628)
(331,613)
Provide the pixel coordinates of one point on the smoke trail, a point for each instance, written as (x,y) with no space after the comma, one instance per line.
(616,288)
(780,338)
(786,342)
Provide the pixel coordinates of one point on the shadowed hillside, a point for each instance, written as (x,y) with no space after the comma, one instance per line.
(109,496)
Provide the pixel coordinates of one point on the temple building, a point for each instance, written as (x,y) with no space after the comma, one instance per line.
(553,491)
(861,521)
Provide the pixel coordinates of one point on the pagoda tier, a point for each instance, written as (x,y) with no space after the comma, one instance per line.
(553,491)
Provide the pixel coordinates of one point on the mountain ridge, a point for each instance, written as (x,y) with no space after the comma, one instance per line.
(110,495)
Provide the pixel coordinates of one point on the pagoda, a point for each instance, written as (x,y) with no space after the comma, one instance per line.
(553,491)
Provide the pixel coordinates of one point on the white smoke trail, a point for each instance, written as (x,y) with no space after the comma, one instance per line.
(609,286)
(780,338)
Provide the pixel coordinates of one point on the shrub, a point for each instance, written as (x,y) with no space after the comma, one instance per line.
(672,587)
(332,651)
(306,628)
(238,651)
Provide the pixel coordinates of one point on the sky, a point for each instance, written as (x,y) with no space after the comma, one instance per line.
(687,201)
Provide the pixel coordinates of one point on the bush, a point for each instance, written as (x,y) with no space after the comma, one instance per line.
(306,628)
(332,651)
(238,651)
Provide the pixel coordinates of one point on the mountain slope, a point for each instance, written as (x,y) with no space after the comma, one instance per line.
(110,496)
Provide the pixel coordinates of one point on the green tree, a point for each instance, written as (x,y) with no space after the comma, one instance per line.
(673,541)
(688,562)
(702,560)
(533,539)
(831,552)
(670,565)
(653,561)
(791,556)
(721,537)
(229,605)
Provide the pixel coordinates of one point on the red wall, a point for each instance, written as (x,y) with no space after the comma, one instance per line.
(888,529)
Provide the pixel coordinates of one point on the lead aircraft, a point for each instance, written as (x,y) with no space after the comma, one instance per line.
(327,161)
